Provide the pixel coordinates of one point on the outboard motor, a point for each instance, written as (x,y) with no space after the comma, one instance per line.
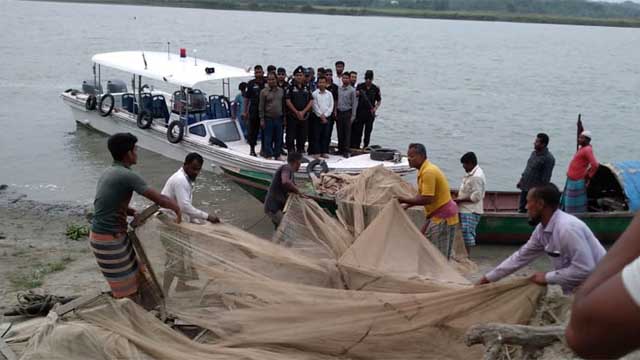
(116,86)
(91,88)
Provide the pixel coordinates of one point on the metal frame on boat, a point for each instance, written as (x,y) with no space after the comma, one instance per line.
(174,124)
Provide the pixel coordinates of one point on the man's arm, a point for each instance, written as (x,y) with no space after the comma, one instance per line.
(593,163)
(418,200)
(261,106)
(287,183)
(477,191)
(526,254)
(163,201)
(547,169)
(354,106)
(330,107)
(308,107)
(290,106)
(183,199)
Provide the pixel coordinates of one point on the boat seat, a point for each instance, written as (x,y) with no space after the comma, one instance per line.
(147,103)
(219,107)
(195,118)
(159,108)
(128,100)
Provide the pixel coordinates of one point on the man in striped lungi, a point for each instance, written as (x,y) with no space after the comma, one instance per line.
(108,239)
(581,169)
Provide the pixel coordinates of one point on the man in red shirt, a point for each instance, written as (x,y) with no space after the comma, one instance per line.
(581,169)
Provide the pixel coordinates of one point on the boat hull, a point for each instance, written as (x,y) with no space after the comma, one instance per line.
(495,227)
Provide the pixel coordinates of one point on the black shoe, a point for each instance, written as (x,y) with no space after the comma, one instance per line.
(253,153)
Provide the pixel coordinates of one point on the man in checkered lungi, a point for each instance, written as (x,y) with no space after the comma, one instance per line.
(469,199)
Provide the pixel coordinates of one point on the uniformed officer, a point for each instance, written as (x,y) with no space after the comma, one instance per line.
(369,100)
(251,101)
(299,103)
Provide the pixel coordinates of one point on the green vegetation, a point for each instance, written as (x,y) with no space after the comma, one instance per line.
(577,12)
(33,278)
(77,232)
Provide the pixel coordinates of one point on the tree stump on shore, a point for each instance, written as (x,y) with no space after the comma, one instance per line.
(530,338)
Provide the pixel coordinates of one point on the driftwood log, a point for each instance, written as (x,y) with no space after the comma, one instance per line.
(531,338)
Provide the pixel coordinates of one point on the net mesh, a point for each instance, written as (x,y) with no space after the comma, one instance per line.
(315,291)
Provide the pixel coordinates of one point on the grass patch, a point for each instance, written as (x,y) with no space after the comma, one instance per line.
(77,232)
(33,278)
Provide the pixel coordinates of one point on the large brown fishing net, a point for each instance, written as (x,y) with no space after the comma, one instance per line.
(315,291)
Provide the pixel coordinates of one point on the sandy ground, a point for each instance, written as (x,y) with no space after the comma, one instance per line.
(34,249)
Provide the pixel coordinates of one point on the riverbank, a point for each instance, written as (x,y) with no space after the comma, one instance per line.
(386,12)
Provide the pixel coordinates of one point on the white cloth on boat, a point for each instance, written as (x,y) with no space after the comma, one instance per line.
(322,103)
(631,279)
(180,188)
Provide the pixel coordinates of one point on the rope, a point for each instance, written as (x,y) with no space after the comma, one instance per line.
(256,223)
(31,304)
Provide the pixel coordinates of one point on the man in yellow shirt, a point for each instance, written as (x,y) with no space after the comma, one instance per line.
(434,194)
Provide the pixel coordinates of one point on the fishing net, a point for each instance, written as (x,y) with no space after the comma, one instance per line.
(360,203)
(314,291)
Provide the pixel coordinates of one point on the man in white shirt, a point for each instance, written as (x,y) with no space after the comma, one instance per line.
(571,246)
(470,198)
(179,187)
(322,111)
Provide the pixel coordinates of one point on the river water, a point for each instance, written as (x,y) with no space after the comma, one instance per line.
(455,86)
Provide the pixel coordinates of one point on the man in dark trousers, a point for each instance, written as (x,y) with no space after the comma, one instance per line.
(108,239)
(538,171)
(299,103)
(333,88)
(251,106)
(282,184)
(369,100)
(345,113)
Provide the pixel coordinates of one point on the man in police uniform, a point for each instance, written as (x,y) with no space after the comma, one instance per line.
(299,103)
(251,106)
(369,100)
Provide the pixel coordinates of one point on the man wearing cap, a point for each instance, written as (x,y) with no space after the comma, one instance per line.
(369,100)
(299,103)
(581,169)
(251,106)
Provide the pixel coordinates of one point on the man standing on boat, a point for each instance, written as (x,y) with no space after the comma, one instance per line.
(333,89)
(345,113)
(179,188)
(108,238)
(251,106)
(339,70)
(299,103)
(282,184)
(322,112)
(271,112)
(538,171)
(369,101)
(470,198)
(571,246)
(354,78)
(581,169)
(434,194)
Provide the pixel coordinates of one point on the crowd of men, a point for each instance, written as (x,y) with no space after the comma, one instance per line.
(299,113)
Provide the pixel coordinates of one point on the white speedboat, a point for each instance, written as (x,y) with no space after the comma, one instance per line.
(176,123)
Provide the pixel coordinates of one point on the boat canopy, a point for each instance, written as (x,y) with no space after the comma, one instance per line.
(615,186)
(170,68)
(628,173)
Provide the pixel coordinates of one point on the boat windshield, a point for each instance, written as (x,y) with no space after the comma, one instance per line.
(226,131)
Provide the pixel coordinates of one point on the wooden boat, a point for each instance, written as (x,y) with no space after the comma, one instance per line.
(614,196)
